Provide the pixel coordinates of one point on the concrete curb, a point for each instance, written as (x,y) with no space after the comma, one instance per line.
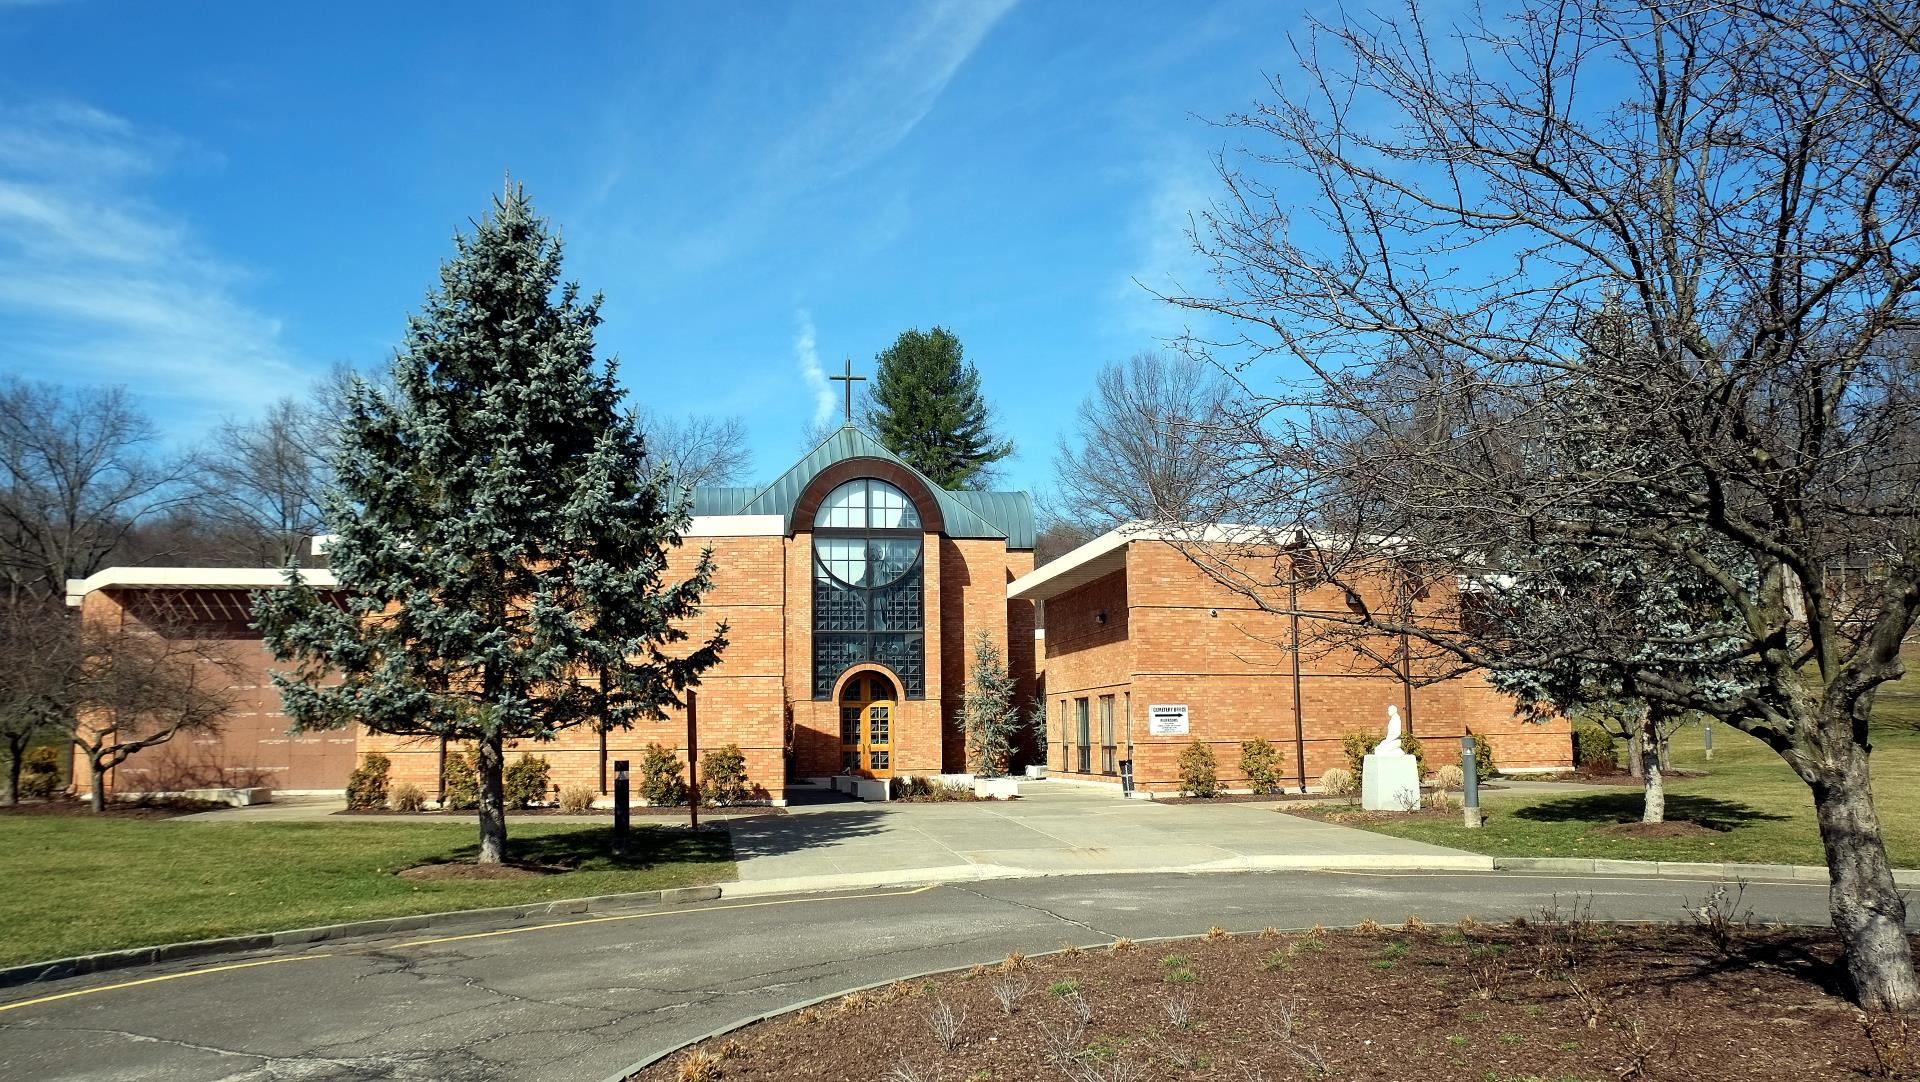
(635,1068)
(969,873)
(1666,869)
(58,968)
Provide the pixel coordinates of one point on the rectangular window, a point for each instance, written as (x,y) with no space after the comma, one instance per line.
(1085,759)
(1109,756)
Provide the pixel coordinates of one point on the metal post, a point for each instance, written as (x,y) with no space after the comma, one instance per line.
(1469,782)
(1706,736)
(1126,777)
(693,758)
(621,815)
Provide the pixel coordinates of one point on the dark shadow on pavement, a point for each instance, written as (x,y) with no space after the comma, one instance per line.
(774,835)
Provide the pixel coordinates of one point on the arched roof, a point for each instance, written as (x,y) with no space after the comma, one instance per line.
(1004,516)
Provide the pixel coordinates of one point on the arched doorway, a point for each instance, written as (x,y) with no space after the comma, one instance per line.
(868,700)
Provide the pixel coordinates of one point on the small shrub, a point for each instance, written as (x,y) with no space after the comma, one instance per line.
(913,788)
(1339,781)
(525,782)
(407,797)
(576,799)
(660,781)
(700,1066)
(1447,781)
(368,784)
(1483,757)
(1261,764)
(40,773)
(1357,747)
(1199,774)
(723,776)
(459,784)
(1410,744)
(1595,749)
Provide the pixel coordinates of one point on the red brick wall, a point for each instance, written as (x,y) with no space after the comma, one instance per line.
(1184,638)
(740,699)
(252,746)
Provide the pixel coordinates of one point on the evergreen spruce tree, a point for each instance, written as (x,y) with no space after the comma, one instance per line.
(499,544)
(989,716)
(927,408)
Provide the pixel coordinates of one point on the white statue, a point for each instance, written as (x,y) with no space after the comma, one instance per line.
(1391,745)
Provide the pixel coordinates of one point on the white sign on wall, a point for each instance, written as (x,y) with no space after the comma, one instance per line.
(1167,719)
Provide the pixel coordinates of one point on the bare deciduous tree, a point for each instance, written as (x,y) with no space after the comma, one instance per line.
(1149,444)
(38,666)
(1449,218)
(142,681)
(697,450)
(256,485)
(78,469)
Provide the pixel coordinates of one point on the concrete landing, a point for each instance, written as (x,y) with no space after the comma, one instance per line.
(1053,829)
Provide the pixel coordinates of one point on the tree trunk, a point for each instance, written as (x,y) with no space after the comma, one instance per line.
(1867,909)
(99,772)
(1634,760)
(14,766)
(1654,809)
(490,764)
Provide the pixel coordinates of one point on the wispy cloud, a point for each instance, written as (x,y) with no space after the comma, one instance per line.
(99,284)
(885,91)
(883,97)
(805,352)
(1177,188)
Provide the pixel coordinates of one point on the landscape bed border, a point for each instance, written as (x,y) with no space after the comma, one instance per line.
(627,1073)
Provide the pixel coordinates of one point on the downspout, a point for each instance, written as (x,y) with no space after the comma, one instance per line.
(1299,723)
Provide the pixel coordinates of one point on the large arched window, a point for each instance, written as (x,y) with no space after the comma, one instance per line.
(867,585)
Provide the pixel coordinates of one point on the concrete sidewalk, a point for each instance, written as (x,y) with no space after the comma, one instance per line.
(1053,829)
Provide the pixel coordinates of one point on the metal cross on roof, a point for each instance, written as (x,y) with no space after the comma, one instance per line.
(849,379)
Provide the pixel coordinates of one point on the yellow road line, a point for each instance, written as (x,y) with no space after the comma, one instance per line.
(157,980)
(210,970)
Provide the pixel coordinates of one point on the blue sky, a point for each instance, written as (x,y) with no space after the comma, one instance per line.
(212,203)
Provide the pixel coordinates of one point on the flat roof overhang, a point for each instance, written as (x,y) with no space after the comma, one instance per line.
(189,578)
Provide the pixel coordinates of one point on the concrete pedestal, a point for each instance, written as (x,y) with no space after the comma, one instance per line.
(1390,783)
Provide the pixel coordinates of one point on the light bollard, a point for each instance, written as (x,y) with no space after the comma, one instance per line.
(1469,782)
(621,816)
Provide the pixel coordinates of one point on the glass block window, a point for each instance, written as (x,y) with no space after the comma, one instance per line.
(868,586)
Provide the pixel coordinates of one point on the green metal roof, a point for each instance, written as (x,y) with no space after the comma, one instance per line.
(998,515)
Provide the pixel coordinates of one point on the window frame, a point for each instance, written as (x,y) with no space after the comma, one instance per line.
(871,594)
(1109,753)
(1082,716)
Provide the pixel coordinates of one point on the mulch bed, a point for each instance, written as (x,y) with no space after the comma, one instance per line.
(116,809)
(1570,1001)
(1670,829)
(1618,777)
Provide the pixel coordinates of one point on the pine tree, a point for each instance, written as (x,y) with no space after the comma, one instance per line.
(927,408)
(499,545)
(989,716)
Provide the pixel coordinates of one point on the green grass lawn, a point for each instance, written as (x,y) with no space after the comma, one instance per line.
(76,885)
(1760,811)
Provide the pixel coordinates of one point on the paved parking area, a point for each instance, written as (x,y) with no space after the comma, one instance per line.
(1055,828)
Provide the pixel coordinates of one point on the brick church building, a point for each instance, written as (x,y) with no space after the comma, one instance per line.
(854,590)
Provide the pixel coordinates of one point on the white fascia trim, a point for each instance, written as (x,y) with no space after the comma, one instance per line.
(737,526)
(189,578)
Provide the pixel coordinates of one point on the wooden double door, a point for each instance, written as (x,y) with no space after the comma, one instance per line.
(866,727)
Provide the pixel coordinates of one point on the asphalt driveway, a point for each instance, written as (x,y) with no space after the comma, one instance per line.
(584,998)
